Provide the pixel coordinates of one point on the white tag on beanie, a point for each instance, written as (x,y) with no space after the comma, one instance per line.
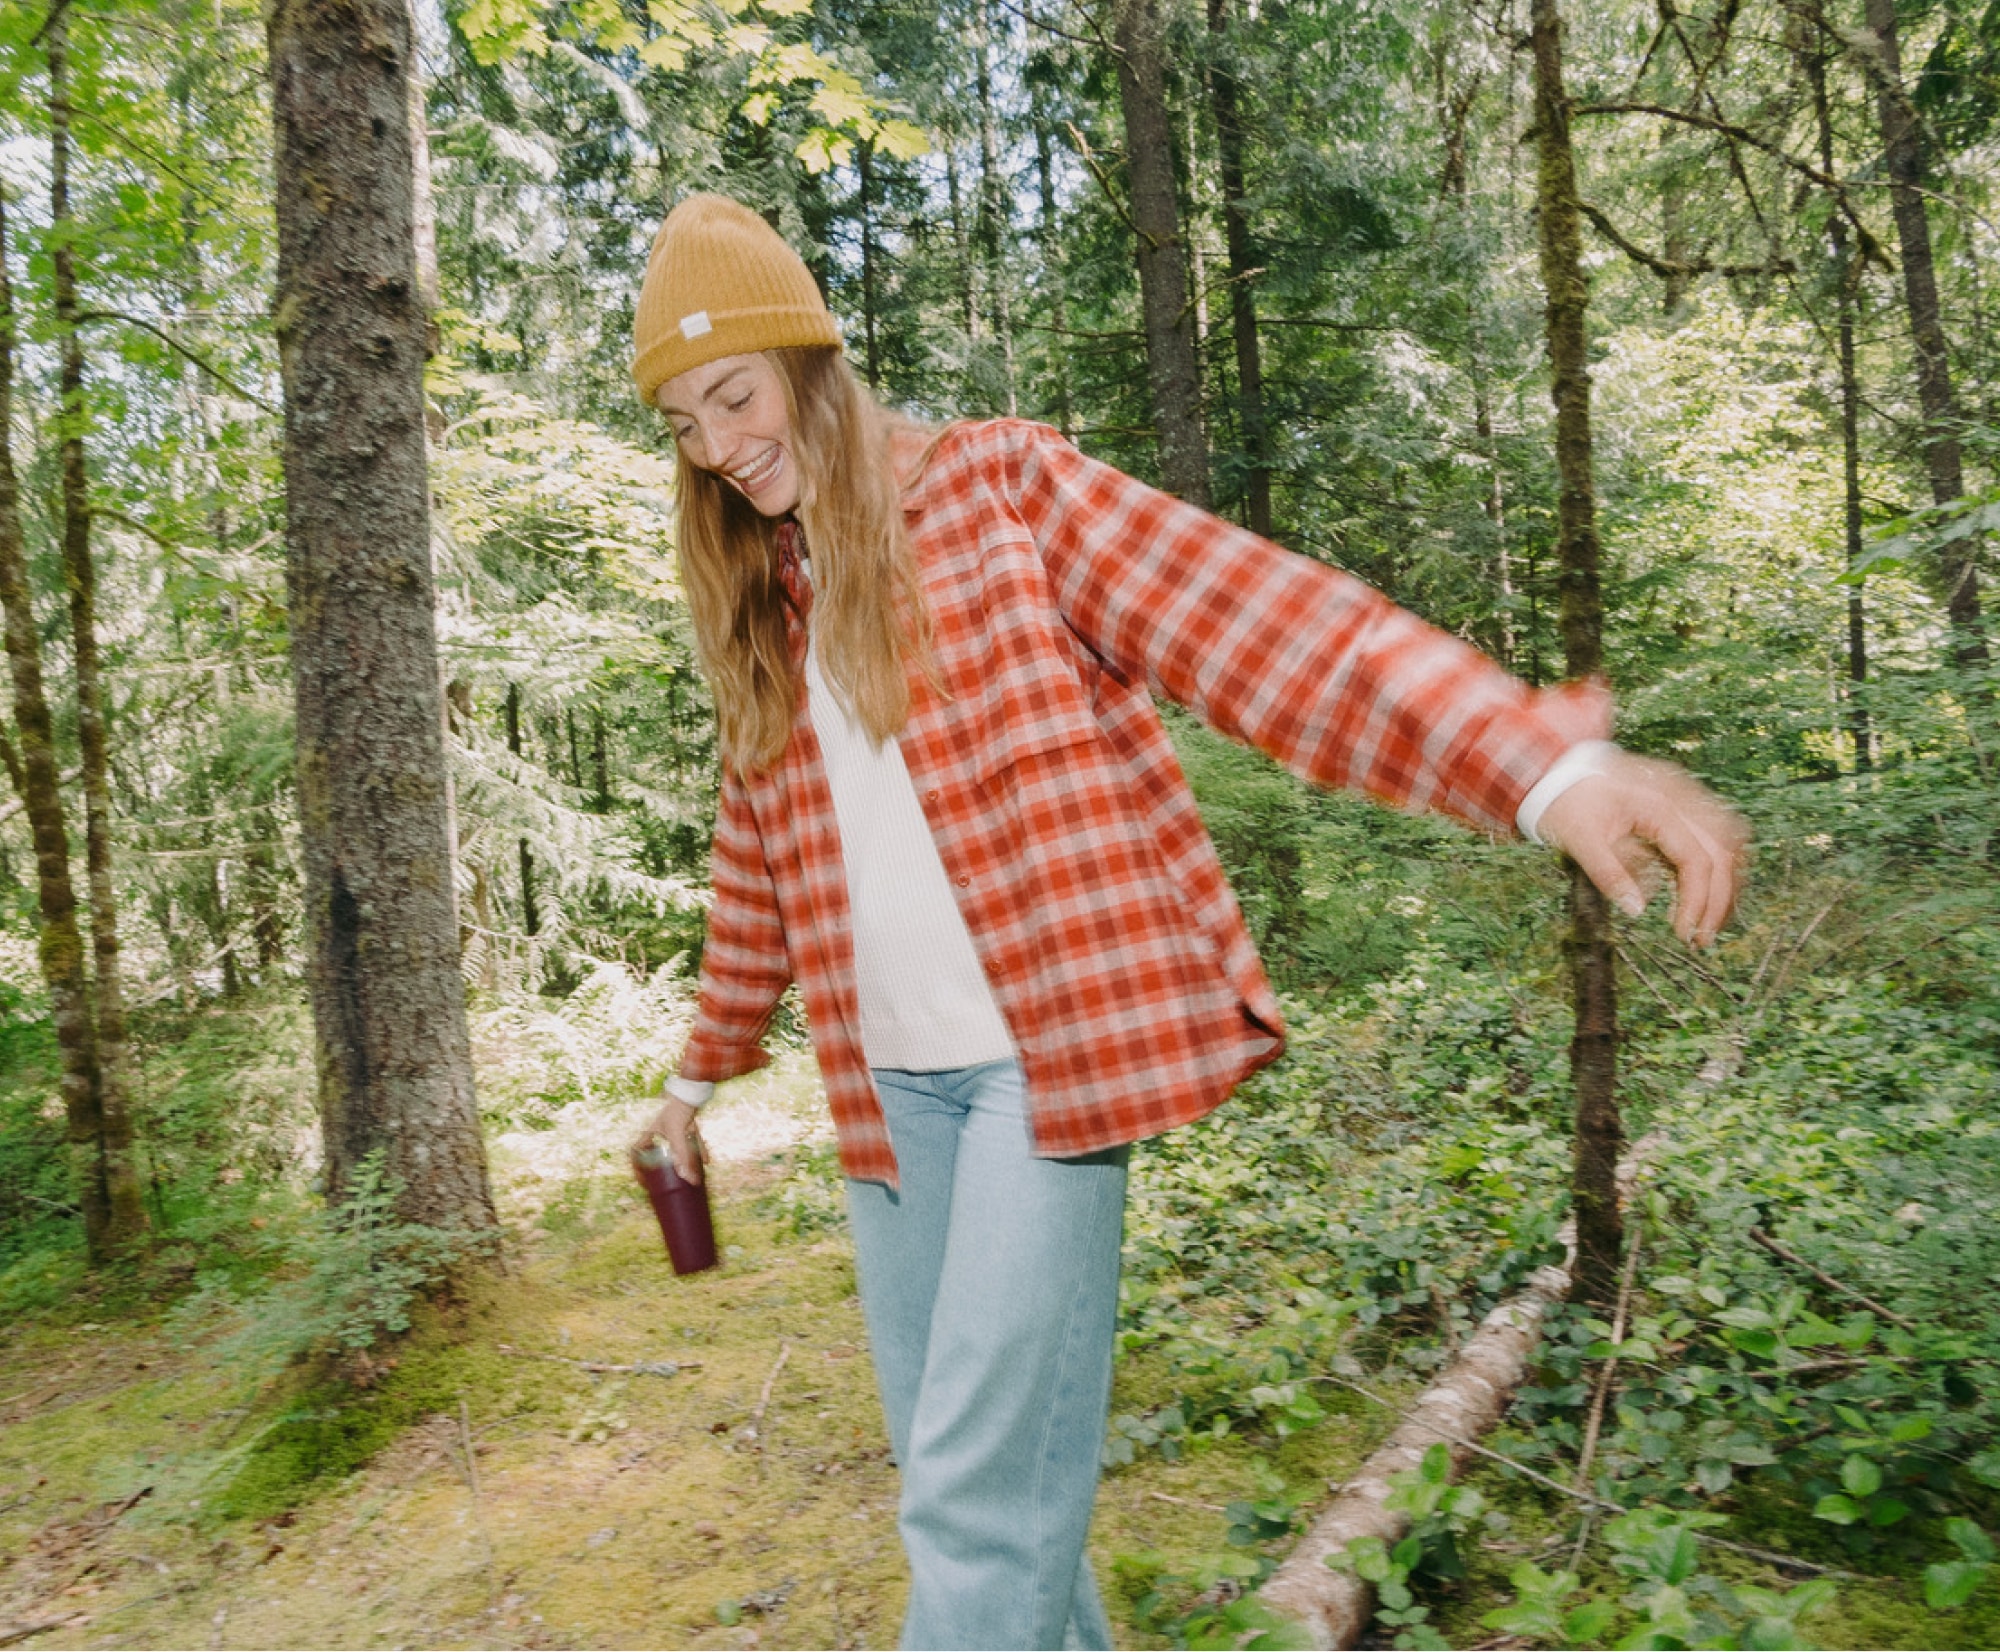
(693,326)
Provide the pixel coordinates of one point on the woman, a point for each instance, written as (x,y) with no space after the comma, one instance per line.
(950,812)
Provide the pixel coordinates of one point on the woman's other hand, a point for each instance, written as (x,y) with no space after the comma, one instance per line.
(674,1124)
(1636,819)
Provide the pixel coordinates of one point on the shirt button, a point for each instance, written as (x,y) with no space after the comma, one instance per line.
(930,797)
(965,883)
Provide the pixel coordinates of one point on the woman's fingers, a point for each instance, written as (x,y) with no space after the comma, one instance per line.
(674,1124)
(1638,812)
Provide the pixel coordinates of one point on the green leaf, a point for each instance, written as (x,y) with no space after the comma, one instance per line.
(1436,1466)
(1972,1541)
(1842,1511)
(1950,1583)
(1861,1476)
(728,1611)
(1886,1511)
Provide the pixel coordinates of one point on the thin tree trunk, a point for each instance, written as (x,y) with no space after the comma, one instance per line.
(1594,1043)
(531,919)
(993,214)
(864,161)
(961,242)
(1903,154)
(1252,419)
(59,940)
(388,1005)
(1052,266)
(123,1186)
(600,761)
(1846,277)
(1173,365)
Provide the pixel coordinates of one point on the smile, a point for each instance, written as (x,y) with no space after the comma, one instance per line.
(753,477)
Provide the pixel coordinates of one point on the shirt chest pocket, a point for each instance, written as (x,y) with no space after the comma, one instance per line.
(1021,682)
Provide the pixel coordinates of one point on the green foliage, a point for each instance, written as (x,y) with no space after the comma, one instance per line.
(1440,1513)
(341,1282)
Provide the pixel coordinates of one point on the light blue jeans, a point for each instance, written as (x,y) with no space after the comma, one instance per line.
(989,1281)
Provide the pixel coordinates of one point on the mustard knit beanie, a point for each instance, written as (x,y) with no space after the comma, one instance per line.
(721,282)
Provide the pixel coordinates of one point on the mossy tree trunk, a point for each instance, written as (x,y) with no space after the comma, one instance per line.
(382,946)
(32,766)
(1173,365)
(1253,421)
(123,1187)
(1594,992)
(1903,157)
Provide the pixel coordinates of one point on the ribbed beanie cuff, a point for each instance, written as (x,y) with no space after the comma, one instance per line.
(721,282)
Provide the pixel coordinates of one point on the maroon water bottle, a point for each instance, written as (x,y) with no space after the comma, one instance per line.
(680,1205)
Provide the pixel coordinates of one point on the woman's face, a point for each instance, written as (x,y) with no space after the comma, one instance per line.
(729,417)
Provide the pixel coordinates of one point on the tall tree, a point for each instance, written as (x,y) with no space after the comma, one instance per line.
(33,769)
(395,1071)
(1173,364)
(127,1216)
(1903,156)
(1594,995)
(1845,272)
(1226,98)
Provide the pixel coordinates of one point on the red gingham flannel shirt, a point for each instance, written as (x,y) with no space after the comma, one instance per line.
(1063,595)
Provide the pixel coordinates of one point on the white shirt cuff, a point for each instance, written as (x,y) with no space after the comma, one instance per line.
(1580,762)
(693,1091)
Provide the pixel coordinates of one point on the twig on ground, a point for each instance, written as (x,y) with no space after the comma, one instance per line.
(1759,1237)
(478,1499)
(12,1632)
(1597,1400)
(1769,1556)
(1186,1502)
(641,1368)
(764,1399)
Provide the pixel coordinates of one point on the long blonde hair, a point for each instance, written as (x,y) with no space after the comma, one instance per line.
(868,612)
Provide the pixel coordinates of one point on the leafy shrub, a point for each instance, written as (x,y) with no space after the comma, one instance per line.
(342,1280)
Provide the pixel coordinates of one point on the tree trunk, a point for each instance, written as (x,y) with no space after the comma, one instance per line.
(600,761)
(1846,277)
(121,1174)
(531,920)
(1173,367)
(1594,1044)
(1052,267)
(58,938)
(1251,416)
(1903,154)
(993,215)
(388,1005)
(864,162)
(961,242)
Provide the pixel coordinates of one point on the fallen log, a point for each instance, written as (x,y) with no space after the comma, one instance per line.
(1333,1607)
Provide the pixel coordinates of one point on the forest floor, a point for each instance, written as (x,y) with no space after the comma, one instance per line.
(744,1500)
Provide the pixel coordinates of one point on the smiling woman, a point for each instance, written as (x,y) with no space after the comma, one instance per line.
(951,813)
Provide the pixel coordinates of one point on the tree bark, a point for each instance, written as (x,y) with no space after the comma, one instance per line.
(531,920)
(1173,366)
(388,1005)
(1903,155)
(1251,416)
(1846,273)
(59,941)
(1594,1043)
(1052,266)
(993,214)
(864,162)
(123,1187)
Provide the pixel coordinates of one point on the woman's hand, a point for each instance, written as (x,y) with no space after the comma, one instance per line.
(1637,818)
(674,1124)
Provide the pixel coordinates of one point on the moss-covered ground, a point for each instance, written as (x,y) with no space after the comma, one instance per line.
(149,1497)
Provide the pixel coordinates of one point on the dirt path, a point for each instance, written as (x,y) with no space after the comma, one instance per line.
(743,1500)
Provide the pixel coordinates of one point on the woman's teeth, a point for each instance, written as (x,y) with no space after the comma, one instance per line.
(760,472)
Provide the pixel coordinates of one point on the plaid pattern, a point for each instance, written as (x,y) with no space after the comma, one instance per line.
(1064,596)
